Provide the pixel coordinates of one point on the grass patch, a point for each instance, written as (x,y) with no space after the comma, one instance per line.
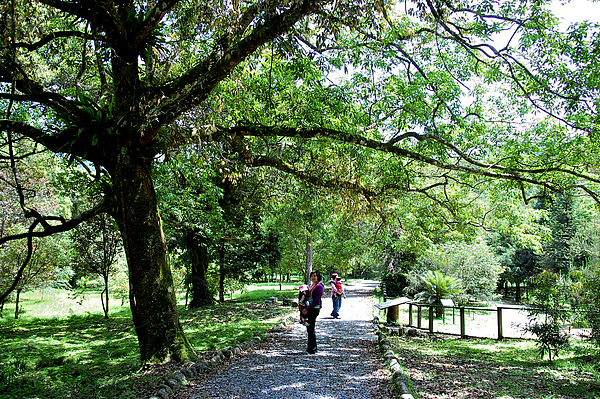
(86,356)
(484,368)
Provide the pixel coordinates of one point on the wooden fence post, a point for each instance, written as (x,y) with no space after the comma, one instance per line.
(500,324)
(410,311)
(431,319)
(393,314)
(463,333)
(418,316)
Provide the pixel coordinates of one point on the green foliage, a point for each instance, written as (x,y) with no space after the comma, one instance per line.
(501,369)
(562,222)
(548,313)
(11,370)
(396,266)
(550,338)
(473,264)
(591,299)
(437,287)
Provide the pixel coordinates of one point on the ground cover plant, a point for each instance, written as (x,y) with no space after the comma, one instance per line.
(83,355)
(443,367)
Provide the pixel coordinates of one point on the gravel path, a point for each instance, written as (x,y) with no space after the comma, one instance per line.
(347,364)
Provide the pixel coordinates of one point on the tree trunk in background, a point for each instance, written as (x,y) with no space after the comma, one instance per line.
(17,303)
(309,256)
(106,296)
(222,272)
(198,250)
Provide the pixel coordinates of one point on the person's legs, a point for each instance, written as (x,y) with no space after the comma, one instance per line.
(333,310)
(336,306)
(310,329)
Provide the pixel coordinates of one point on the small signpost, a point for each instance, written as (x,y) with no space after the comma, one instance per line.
(391,308)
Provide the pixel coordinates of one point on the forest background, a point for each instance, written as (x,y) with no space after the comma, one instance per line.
(178,145)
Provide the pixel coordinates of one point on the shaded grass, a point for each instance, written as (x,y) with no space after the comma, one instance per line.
(484,368)
(87,356)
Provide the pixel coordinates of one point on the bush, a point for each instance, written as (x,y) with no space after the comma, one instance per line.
(550,340)
(474,264)
(396,267)
(438,287)
(547,313)
(590,301)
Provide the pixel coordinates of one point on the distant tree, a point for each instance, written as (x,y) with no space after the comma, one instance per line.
(562,222)
(98,245)
(396,267)
(49,262)
(474,264)
(188,192)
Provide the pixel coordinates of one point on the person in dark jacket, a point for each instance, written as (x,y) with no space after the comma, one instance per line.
(313,309)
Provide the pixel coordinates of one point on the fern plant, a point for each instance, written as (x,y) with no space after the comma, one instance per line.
(437,287)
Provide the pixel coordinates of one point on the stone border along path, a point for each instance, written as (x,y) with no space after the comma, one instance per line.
(347,364)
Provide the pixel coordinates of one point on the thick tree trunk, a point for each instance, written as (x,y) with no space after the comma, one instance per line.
(309,258)
(151,290)
(198,250)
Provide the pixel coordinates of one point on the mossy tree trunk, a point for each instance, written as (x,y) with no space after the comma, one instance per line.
(151,289)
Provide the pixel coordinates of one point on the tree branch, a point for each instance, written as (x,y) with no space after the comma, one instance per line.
(55,35)
(474,167)
(193,87)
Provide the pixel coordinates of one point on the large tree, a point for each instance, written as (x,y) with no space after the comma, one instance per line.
(113,84)
(91,68)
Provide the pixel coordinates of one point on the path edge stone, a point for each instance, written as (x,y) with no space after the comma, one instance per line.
(399,381)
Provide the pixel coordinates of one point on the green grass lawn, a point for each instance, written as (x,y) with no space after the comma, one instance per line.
(447,367)
(63,348)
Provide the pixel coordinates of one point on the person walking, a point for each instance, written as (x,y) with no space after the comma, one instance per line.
(337,292)
(313,309)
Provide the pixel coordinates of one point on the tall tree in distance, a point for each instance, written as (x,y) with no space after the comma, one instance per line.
(189,202)
(98,246)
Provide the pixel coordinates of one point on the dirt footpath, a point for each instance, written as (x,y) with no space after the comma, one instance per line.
(347,364)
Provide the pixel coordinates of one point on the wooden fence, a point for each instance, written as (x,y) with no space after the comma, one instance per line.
(487,322)
(497,318)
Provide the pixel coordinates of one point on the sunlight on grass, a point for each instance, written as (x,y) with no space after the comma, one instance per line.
(51,303)
(62,347)
(495,369)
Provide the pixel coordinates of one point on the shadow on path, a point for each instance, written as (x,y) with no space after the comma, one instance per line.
(347,364)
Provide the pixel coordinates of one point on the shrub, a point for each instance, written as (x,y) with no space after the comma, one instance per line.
(547,313)
(549,338)
(474,264)
(590,301)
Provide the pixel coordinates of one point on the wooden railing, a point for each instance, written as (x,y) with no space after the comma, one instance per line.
(418,313)
(462,316)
